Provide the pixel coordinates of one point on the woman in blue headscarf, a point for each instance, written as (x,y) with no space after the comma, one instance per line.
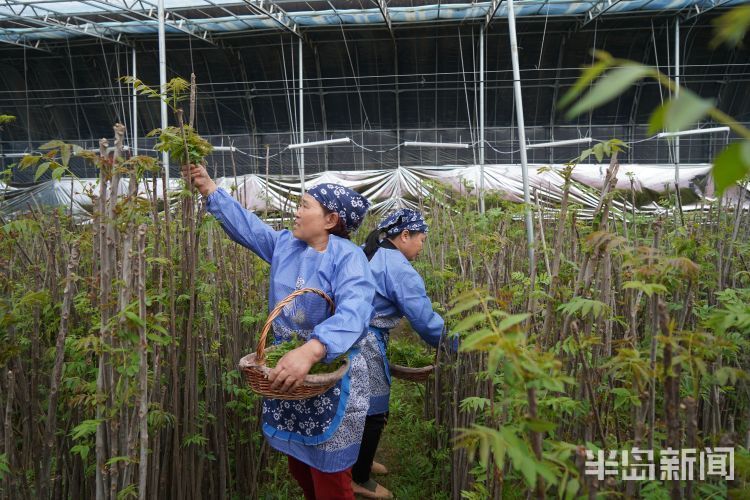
(398,239)
(321,435)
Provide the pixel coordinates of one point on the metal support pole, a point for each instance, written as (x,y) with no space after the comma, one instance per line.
(481,119)
(301,125)
(163,82)
(398,107)
(134,139)
(268,192)
(521,131)
(676,95)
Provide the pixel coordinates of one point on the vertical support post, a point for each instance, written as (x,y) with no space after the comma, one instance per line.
(398,108)
(521,132)
(268,192)
(676,95)
(301,124)
(163,82)
(134,139)
(481,119)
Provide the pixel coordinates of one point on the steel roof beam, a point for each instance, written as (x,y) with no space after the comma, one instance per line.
(698,9)
(269,9)
(147,9)
(599,8)
(494,5)
(13,38)
(228,12)
(383,7)
(42,16)
(178,21)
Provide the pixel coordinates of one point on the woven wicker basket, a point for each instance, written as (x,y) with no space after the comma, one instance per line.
(256,372)
(412,374)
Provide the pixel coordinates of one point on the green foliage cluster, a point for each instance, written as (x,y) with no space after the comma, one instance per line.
(409,354)
(609,77)
(277,351)
(182,143)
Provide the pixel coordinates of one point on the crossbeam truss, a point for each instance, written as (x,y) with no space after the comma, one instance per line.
(494,5)
(600,8)
(39,13)
(44,15)
(704,7)
(149,10)
(273,11)
(12,38)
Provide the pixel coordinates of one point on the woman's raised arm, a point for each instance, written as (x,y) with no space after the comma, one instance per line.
(240,224)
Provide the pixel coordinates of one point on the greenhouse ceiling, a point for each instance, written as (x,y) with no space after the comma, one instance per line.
(36,23)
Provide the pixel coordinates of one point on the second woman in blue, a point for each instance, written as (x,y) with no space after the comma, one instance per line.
(400,292)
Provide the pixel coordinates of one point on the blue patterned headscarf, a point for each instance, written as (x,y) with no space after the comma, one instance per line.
(401,220)
(349,204)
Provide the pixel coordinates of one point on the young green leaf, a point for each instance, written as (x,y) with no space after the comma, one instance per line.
(511,321)
(51,145)
(611,85)
(65,153)
(648,288)
(58,172)
(41,169)
(731,27)
(732,165)
(587,76)
(680,113)
(137,320)
(85,428)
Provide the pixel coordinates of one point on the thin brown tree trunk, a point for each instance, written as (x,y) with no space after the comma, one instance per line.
(51,423)
(143,365)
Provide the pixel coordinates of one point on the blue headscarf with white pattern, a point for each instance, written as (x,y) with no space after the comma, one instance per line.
(401,220)
(349,204)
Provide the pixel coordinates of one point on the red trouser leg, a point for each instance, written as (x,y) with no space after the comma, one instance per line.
(333,485)
(318,485)
(301,473)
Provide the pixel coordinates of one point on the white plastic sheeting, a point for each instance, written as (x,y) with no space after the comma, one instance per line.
(71,194)
(387,189)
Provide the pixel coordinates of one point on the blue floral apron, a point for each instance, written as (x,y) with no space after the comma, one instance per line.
(324,431)
(374,351)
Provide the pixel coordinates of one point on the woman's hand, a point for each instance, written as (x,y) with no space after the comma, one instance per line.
(292,368)
(200,178)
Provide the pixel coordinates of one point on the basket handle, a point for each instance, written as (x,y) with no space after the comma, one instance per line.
(261,350)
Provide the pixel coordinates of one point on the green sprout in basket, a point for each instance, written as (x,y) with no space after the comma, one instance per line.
(279,350)
(408,354)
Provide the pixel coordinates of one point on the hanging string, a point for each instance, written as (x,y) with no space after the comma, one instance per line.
(493,148)
(192,72)
(656,59)
(238,150)
(123,120)
(190,51)
(466,91)
(356,81)
(354,143)
(544,33)
(642,140)
(75,90)
(108,87)
(291,110)
(26,92)
(596,32)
